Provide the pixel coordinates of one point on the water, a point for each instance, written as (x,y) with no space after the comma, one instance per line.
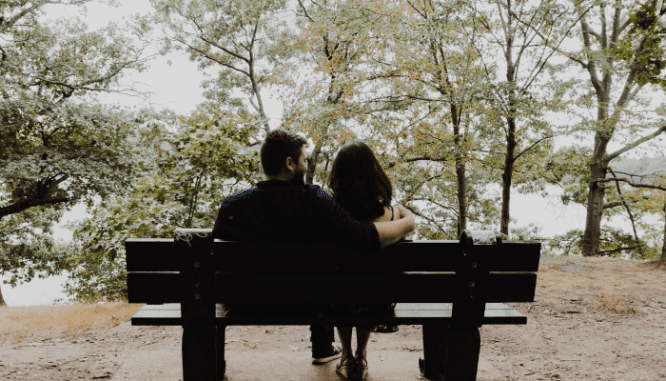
(37,292)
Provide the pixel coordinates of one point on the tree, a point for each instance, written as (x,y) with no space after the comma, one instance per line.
(446,71)
(235,36)
(187,165)
(429,115)
(520,31)
(334,40)
(627,49)
(58,145)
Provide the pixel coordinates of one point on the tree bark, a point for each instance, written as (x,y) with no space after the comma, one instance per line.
(509,158)
(595,199)
(2,300)
(312,164)
(460,169)
(27,204)
(663,247)
(598,168)
(507,175)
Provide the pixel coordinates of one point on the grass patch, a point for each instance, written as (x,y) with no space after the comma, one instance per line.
(20,323)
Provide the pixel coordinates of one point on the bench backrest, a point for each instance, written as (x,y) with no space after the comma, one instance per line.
(195,266)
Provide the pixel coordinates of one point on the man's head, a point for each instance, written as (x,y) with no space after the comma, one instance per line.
(283,157)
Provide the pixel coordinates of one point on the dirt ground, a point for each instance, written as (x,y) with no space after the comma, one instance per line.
(593,319)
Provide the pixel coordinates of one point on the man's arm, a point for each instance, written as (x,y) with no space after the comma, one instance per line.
(391,232)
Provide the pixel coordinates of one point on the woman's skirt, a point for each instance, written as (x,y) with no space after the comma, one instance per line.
(367,309)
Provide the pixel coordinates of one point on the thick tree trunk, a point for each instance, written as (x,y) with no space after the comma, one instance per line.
(598,168)
(595,202)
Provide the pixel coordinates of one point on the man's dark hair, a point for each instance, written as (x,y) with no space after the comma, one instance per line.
(359,183)
(277,147)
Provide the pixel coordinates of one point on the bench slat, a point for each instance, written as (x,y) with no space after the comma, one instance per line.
(405,314)
(407,287)
(157,254)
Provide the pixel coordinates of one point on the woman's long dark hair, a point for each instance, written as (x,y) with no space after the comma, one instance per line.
(359,183)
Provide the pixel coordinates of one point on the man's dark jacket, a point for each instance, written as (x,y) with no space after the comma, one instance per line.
(280,211)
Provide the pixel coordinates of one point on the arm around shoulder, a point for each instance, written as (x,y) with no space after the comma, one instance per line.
(391,232)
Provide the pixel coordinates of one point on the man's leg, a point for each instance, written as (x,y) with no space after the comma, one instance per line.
(323,349)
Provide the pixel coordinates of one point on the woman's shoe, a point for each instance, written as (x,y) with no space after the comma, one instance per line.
(346,368)
(361,368)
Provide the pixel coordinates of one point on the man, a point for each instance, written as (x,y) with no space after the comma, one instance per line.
(283,208)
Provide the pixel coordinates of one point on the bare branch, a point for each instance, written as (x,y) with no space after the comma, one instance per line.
(620,249)
(635,185)
(635,144)
(532,146)
(626,206)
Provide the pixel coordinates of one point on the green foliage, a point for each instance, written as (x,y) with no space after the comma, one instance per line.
(58,145)
(526,233)
(237,38)
(183,177)
(614,243)
(643,45)
(568,169)
(28,248)
(417,81)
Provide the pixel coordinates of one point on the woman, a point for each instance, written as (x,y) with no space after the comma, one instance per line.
(361,186)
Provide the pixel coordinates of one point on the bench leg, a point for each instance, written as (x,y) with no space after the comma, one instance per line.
(435,351)
(199,354)
(464,347)
(450,353)
(219,346)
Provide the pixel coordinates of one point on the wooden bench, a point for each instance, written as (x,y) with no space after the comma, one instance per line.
(451,288)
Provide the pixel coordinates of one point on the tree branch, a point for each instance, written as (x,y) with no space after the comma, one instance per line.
(635,185)
(413,159)
(27,204)
(531,146)
(635,144)
(620,249)
(631,216)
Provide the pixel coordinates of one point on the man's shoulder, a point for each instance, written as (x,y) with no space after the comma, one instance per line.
(239,196)
(316,190)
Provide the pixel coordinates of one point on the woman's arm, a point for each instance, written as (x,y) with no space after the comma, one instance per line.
(391,232)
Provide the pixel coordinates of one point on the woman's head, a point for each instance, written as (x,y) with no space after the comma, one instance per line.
(358,181)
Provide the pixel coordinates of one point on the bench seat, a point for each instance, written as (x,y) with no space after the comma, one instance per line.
(405,314)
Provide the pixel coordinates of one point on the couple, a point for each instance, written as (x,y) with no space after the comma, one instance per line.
(283,208)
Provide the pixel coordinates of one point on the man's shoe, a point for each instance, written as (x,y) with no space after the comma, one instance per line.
(331,353)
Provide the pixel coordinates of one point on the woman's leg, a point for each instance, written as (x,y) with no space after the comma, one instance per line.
(345,334)
(362,338)
(361,362)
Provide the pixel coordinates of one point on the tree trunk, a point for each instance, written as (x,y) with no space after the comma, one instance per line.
(2,300)
(460,169)
(507,175)
(595,202)
(589,245)
(663,247)
(312,164)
